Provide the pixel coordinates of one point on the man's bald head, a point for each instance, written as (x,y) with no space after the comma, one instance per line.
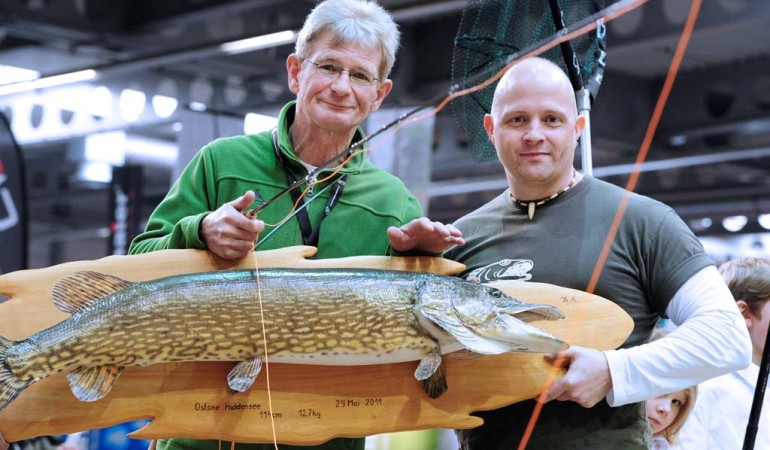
(536,71)
(534,126)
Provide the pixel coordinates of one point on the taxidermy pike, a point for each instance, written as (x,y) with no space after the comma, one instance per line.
(321,316)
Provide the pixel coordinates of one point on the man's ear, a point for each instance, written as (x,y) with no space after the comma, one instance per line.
(743,307)
(383,89)
(293,62)
(489,127)
(580,123)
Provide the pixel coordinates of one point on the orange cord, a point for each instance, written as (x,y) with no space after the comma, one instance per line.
(630,186)
(654,121)
(545,47)
(264,341)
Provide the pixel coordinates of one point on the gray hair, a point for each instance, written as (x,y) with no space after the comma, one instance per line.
(359,22)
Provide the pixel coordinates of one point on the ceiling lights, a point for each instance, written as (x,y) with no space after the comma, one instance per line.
(16,85)
(764,221)
(734,223)
(12,74)
(259,42)
(45,82)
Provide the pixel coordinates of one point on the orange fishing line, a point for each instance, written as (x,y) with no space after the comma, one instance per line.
(302,195)
(259,291)
(264,342)
(630,186)
(334,172)
(610,15)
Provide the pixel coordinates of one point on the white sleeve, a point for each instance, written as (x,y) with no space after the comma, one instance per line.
(711,339)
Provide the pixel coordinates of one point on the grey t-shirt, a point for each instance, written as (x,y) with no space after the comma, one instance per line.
(651,256)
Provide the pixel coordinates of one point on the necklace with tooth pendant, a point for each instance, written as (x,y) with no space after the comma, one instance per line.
(532,204)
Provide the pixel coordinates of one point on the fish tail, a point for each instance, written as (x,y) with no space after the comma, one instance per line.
(10,385)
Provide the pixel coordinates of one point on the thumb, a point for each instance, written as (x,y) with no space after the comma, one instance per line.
(244,201)
(561,359)
(399,240)
(395,233)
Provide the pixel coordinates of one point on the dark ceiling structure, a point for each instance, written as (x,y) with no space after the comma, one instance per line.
(710,156)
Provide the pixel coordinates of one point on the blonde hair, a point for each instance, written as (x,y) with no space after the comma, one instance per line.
(670,432)
(352,21)
(690,394)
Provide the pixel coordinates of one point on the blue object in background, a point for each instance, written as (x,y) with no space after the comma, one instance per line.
(115,438)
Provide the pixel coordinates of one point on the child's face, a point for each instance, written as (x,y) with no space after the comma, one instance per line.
(661,411)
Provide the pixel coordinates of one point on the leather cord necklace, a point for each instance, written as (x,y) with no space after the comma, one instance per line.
(532,204)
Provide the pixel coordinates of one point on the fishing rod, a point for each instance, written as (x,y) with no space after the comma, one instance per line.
(348,152)
(567,51)
(759,395)
(252,214)
(582,93)
(478,82)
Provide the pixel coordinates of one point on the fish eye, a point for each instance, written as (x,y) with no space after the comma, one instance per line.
(495,293)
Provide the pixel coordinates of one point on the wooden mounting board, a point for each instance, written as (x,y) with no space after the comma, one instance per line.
(310,404)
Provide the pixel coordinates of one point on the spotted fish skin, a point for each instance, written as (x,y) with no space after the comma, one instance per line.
(322,316)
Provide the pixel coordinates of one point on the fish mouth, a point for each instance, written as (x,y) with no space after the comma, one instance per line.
(535,313)
(503,326)
(518,335)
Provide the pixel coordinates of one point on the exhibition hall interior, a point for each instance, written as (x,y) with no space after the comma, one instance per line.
(105,102)
(159,79)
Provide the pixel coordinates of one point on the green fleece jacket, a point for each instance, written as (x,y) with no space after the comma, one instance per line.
(225,169)
(371,201)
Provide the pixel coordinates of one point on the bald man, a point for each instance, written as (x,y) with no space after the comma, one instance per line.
(553,221)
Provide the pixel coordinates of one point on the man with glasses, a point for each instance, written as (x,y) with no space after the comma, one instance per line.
(339,73)
(359,77)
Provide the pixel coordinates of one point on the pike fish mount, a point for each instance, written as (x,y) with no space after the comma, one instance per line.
(307,403)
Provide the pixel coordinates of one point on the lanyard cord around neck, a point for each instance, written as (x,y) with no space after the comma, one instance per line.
(309,235)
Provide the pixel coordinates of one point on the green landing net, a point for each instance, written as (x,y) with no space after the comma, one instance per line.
(491,31)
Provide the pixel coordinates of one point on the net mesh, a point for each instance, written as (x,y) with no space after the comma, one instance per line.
(492,30)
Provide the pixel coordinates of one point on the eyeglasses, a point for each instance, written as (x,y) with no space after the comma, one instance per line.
(359,77)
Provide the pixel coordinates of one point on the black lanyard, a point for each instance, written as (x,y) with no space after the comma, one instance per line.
(309,235)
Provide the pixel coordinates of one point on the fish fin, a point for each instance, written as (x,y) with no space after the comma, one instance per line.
(466,336)
(80,289)
(517,336)
(484,346)
(428,365)
(242,376)
(434,384)
(89,384)
(10,385)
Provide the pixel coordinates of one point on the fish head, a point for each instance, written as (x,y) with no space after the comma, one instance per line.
(479,304)
(485,319)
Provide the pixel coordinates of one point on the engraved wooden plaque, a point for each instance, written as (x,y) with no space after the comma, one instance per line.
(289,403)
